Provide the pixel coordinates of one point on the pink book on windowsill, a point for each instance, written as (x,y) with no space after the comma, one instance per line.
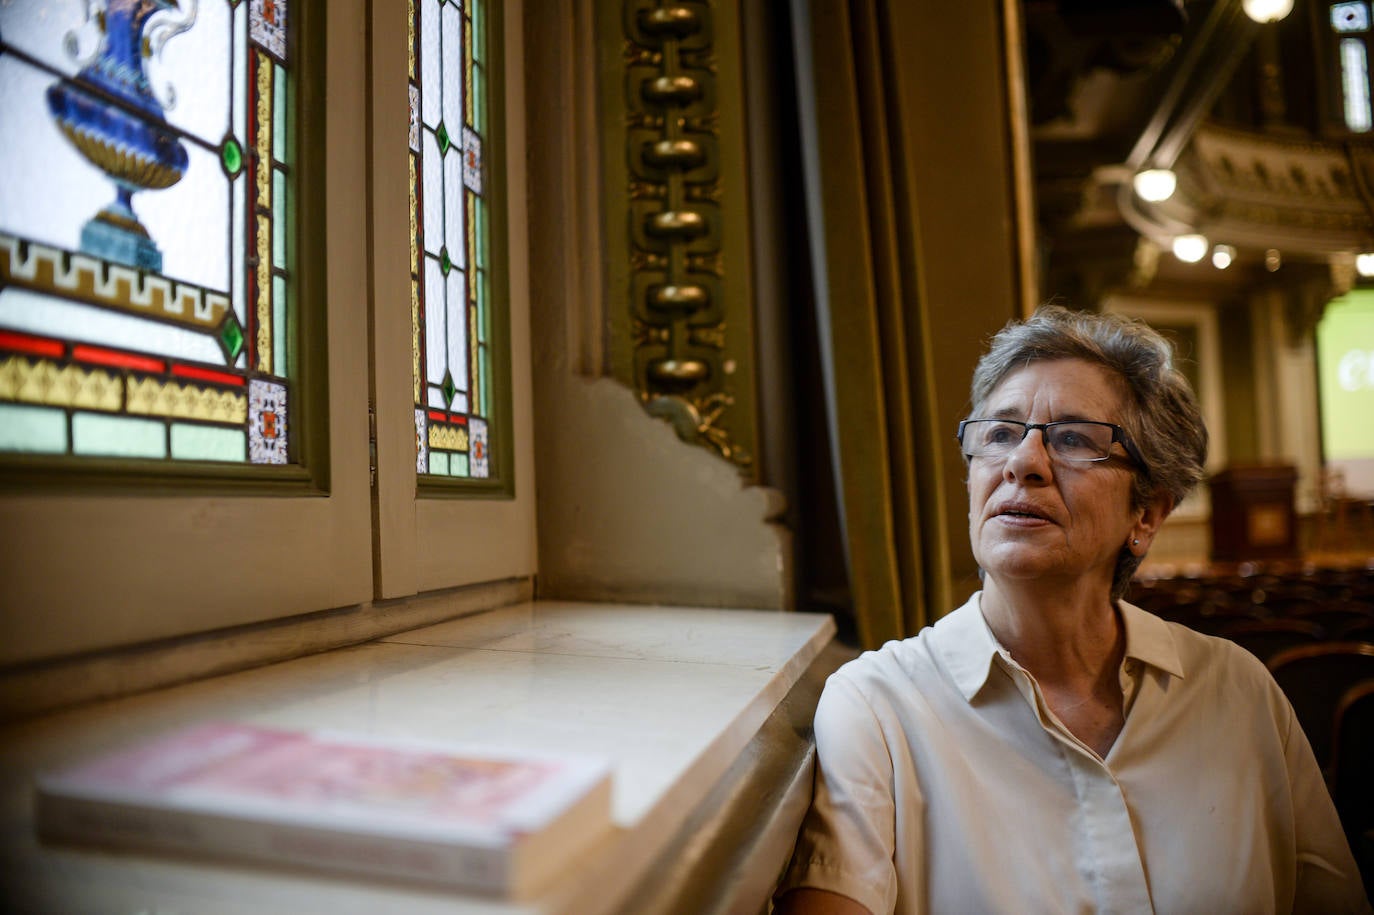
(496,821)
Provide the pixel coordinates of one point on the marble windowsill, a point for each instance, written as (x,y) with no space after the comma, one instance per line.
(672,696)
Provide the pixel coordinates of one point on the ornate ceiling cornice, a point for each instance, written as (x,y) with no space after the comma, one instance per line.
(1249,188)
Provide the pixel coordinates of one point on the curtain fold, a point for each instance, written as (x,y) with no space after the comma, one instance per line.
(875,343)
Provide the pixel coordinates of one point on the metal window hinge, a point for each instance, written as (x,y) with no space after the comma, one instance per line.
(372,445)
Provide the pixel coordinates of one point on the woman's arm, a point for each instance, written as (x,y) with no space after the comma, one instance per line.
(809,901)
(843,860)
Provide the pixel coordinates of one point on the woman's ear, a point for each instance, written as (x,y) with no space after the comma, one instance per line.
(1148,522)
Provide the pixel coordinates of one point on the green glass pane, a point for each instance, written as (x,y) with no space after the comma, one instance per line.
(445,264)
(459,466)
(230,336)
(479,29)
(483,313)
(279,347)
(278,220)
(449,389)
(208,443)
(485,408)
(231,153)
(481,221)
(279,113)
(40,429)
(445,141)
(438,463)
(479,100)
(118,436)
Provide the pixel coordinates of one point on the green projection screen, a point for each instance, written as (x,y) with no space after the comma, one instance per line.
(1345,356)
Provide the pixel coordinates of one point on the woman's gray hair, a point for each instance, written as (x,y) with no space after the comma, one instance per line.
(1162,415)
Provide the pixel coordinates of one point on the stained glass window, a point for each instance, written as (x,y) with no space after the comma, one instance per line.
(145,214)
(1349,25)
(450,287)
(1355,83)
(1350,17)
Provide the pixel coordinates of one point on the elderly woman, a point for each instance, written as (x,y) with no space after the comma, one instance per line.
(1048,747)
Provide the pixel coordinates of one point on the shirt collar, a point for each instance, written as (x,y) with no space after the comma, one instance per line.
(968,647)
(1149,640)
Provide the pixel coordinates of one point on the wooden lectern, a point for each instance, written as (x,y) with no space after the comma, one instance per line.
(1252,513)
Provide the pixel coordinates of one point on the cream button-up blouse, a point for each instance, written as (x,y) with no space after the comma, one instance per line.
(945,784)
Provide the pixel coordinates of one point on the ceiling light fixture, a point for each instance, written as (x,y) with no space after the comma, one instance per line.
(1364,264)
(1273,260)
(1267,10)
(1155,184)
(1190,248)
(1222,256)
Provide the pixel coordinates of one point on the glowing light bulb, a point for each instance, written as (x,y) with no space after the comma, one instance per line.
(1190,248)
(1364,264)
(1267,10)
(1155,184)
(1222,256)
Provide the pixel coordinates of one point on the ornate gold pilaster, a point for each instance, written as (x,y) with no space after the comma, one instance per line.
(680,311)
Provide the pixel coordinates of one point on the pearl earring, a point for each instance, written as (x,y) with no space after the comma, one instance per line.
(1135,543)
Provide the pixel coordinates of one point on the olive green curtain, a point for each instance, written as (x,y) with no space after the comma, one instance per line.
(875,342)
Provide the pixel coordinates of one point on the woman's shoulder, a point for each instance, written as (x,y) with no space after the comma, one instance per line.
(878,667)
(1213,658)
(920,664)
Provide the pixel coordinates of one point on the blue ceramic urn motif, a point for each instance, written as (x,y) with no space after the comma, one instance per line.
(109,113)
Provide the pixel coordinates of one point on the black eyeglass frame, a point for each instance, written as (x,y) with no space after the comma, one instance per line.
(1118,435)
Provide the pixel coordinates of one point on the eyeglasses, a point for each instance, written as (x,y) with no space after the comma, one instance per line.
(1071,440)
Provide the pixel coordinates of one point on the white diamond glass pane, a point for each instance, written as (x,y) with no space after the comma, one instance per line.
(435,322)
(453,207)
(434,201)
(431,80)
(453,70)
(239,115)
(457,337)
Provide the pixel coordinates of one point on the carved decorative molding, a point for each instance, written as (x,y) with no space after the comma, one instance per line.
(681,322)
(1306,196)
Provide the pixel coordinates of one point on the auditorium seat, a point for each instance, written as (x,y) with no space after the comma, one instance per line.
(1315,677)
(1352,782)
(1336,617)
(1265,638)
(1360,632)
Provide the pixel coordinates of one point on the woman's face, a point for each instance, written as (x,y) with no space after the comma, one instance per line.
(1033,515)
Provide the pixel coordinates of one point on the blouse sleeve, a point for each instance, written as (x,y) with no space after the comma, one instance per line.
(847,839)
(1328,880)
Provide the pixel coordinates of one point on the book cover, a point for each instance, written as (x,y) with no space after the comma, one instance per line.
(469,817)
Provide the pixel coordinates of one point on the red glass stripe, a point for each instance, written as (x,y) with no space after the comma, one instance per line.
(200,374)
(23,343)
(98,356)
(438,416)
